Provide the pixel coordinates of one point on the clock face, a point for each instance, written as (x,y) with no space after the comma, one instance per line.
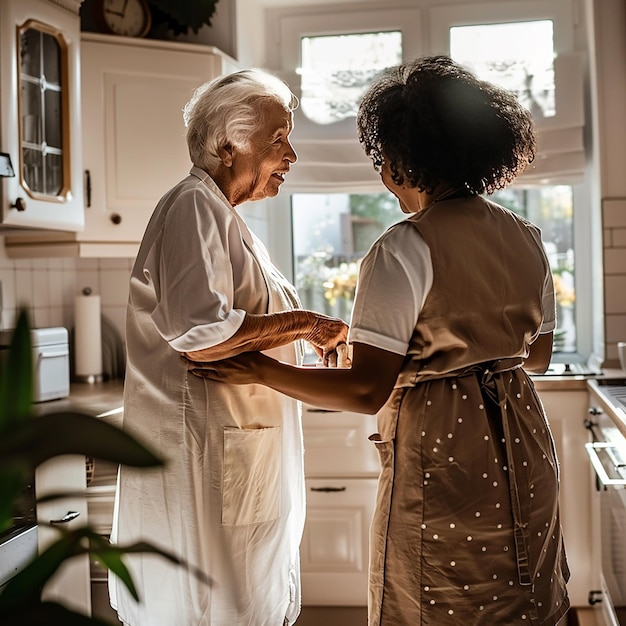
(130,18)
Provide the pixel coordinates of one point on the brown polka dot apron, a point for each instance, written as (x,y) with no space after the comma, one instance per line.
(466,529)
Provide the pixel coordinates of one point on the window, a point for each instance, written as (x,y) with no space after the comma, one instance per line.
(551,209)
(337,69)
(525,46)
(330,235)
(499,53)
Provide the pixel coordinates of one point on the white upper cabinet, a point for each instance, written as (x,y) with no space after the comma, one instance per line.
(40,133)
(134,147)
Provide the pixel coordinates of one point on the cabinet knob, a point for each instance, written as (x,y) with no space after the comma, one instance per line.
(116,218)
(19,204)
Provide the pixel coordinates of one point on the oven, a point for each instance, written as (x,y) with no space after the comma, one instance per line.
(607,454)
(19,542)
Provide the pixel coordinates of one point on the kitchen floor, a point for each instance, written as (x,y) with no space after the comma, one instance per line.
(333,616)
(339,615)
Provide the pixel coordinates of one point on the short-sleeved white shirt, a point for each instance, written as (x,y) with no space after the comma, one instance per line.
(395,278)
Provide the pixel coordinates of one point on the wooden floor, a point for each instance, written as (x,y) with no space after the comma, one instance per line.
(332,616)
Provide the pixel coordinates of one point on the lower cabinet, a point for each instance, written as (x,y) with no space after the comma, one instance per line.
(342,468)
(566,411)
(70,585)
(334,549)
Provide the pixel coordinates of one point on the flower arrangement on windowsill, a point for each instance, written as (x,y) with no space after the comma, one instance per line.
(341,282)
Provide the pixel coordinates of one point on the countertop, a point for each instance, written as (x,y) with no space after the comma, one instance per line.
(102,397)
(609,404)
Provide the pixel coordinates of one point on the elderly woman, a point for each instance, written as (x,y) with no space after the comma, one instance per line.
(453,304)
(231,498)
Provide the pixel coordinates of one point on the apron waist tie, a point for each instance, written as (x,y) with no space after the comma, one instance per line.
(493,388)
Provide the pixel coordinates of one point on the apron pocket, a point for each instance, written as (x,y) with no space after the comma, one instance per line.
(251,483)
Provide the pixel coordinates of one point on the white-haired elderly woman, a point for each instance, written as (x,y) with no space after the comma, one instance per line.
(231,498)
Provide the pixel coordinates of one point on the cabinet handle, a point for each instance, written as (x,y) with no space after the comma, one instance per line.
(605,479)
(68,517)
(116,218)
(328,489)
(19,204)
(88,188)
(322,411)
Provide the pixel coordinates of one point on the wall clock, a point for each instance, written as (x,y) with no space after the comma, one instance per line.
(129,18)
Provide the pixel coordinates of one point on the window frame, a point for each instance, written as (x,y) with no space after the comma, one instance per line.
(425,30)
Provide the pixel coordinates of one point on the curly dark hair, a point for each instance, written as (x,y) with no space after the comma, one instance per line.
(435,122)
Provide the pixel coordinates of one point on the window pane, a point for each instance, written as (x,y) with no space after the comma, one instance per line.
(518,56)
(551,209)
(331,234)
(336,70)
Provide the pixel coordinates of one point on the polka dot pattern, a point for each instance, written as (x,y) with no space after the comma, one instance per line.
(450,534)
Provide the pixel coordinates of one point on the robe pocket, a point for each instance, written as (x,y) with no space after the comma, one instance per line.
(251,482)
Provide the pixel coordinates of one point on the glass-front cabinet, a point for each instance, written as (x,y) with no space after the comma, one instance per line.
(40,115)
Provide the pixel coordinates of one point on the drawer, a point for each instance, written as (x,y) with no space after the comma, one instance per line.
(336,443)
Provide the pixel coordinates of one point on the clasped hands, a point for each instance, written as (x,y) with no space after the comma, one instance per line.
(327,335)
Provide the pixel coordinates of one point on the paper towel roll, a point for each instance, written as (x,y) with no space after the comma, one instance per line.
(87,337)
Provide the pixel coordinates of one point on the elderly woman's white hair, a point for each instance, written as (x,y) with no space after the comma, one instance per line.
(225,111)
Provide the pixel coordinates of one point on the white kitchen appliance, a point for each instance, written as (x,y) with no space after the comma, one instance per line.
(607,453)
(51,361)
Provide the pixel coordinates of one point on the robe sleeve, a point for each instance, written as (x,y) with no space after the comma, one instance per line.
(192,270)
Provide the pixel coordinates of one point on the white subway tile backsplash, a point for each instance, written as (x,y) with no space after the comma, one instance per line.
(114,286)
(619,239)
(41,287)
(47,287)
(615,327)
(24,288)
(615,261)
(87,279)
(614,212)
(614,294)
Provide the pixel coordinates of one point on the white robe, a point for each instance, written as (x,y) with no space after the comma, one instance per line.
(231,499)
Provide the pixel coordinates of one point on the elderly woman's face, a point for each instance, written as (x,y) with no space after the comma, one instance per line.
(260,172)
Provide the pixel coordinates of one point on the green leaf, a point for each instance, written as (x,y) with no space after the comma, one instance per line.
(36,440)
(16,376)
(24,587)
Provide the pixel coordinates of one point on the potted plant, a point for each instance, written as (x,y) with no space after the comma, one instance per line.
(26,441)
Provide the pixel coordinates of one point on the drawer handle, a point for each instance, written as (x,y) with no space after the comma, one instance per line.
(322,411)
(68,517)
(52,355)
(328,489)
(592,452)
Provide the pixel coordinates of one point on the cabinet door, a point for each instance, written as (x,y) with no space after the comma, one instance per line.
(134,141)
(336,443)
(70,586)
(334,550)
(566,411)
(40,126)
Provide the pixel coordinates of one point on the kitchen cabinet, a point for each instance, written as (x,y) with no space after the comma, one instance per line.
(40,122)
(567,408)
(341,469)
(134,148)
(70,584)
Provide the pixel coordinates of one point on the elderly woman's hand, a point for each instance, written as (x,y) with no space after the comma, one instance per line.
(266,331)
(326,334)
